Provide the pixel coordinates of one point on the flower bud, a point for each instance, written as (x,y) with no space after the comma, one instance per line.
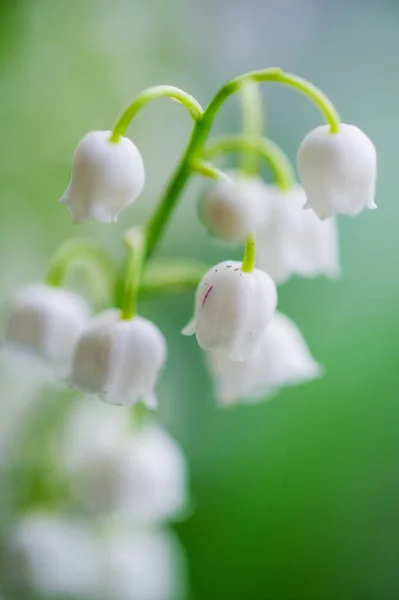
(47,321)
(283,359)
(119,360)
(338,170)
(234,207)
(232,310)
(106,177)
(293,241)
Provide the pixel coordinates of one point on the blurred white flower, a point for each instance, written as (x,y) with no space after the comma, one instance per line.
(293,241)
(47,321)
(232,310)
(55,557)
(235,206)
(21,380)
(119,360)
(62,557)
(143,566)
(141,473)
(338,170)
(284,359)
(106,177)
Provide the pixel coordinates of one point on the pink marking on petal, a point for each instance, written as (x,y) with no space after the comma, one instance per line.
(207,294)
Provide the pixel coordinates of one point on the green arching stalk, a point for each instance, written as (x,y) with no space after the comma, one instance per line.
(146,96)
(206,169)
(160,217)
(81,251)
(318,97)
(164,276)
(249,260)
(252,124)
(134,242)
(270,152)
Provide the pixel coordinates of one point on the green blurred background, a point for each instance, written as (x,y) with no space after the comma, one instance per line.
(297,498)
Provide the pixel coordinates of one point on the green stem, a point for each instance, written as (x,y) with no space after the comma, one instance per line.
(162,213)
(134,242)
(83,251)
(252,124)
(318,97)
(207,170)
(168,277)
(249,260)
(146,96)
(271,153)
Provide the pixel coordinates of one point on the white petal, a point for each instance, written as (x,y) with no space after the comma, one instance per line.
(338,171)
(235,206)
(233,309)
(47,321)
(106,177)
(283,359)
(294,241)
(143,566)
(189,329)
(119,360)
(55,557)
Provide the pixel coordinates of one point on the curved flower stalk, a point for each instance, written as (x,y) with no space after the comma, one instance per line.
(139,473)
(283,359)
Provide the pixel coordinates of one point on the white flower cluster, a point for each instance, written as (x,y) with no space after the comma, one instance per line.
(118,360)
(131,482)
(251,350)
(234,316)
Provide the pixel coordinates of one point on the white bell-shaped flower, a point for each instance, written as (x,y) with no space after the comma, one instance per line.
(293,241)
(338,170)
(153,477)
(54,557)
(143,565)
(141,472)
(47,321)
(106,177)
(284,359)
(234,207)
(119,360)
(232,310)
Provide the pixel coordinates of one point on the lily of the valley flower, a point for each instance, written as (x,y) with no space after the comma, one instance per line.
(283,359)
(119,360)
(141,473)
(143,565)
(106,177)
(66,558)
(232,310)
(235,206)
(54,557)
(293,241)
(47,321)
(338,170)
